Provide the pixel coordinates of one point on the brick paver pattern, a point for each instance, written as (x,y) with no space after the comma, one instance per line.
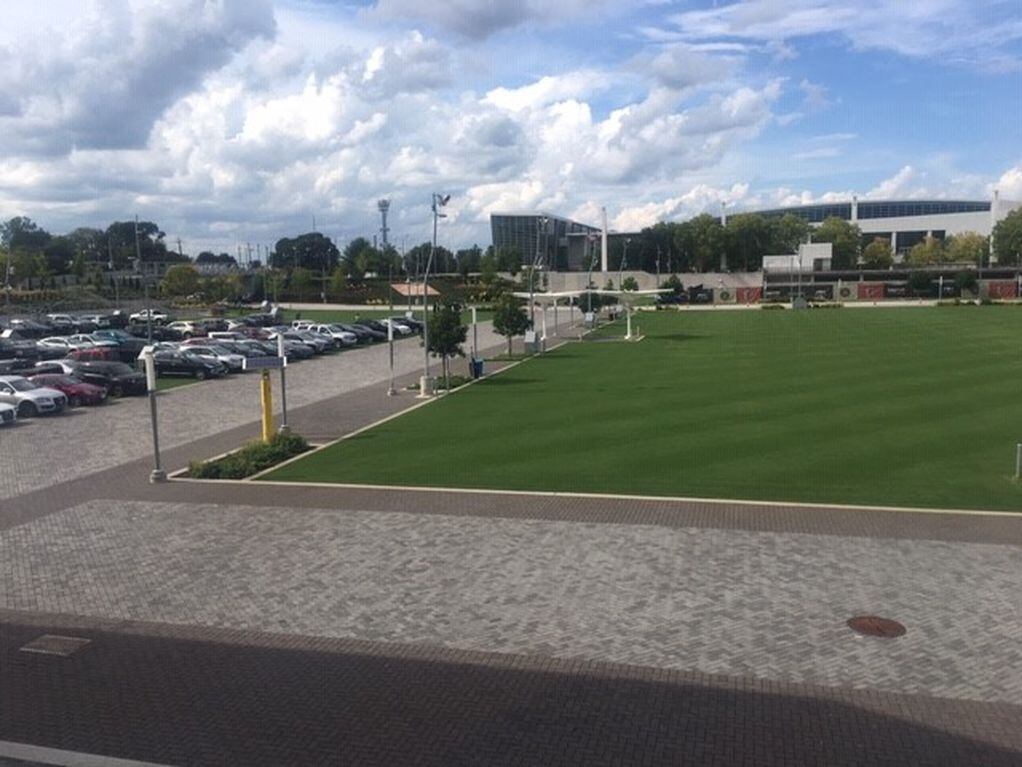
(738,603)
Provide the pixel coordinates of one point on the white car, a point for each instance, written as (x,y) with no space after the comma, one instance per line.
(65,343)
(30,399)
(8,414)
(337,335)
(147,314)
(399,329)
(187,328)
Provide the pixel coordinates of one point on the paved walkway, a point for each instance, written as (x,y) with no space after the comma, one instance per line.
(253,624)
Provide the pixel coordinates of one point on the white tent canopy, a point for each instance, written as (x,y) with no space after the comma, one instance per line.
(627,297)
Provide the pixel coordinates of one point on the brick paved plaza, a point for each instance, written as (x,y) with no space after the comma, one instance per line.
(245,624)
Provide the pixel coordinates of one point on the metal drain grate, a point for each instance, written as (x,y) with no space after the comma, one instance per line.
(871,625)
(54,644)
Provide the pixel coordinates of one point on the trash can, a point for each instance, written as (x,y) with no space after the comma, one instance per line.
(477,368)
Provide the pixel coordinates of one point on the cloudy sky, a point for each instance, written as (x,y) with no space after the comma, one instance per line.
(234,121)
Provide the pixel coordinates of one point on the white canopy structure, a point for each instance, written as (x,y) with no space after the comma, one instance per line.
(626,297)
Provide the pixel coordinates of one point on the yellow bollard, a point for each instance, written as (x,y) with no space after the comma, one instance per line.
(267,398)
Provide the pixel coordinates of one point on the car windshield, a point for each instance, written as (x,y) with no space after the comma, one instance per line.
(120,369)
(23,384)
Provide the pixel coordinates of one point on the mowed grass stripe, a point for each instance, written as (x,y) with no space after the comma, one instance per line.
(906,407)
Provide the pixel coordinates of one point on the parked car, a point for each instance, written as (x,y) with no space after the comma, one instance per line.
(320,343)
(414,324)
(148,314)
(187,363)
(128,346)
(62,323)
(187,328)
(93,340)
(63,343)
(30,399)
(29,328)
(234,363)
(117,378)
(15,347)
(374,333)
(8,414)
(339,336)
(159,332)
(77,391)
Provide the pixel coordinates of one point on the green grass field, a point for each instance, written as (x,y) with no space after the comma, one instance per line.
(903,407)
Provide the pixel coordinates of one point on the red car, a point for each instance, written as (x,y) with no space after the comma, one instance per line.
(77,392)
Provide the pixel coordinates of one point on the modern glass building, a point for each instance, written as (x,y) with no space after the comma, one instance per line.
(906,222)
(537,232)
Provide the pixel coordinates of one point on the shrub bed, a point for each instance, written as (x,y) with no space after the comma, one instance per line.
(251,459)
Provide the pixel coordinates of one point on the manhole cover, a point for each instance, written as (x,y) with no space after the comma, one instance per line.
(53,644)
(871,625)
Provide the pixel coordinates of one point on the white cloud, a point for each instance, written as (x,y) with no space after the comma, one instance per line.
(481,18)
(548,90)
(1010,184)
(956,30)
(112,73)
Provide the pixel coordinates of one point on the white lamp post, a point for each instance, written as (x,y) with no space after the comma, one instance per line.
(438,201)
(157,474)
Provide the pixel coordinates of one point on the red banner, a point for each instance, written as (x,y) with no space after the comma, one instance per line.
(871,291)
(749,295)
(1002,289)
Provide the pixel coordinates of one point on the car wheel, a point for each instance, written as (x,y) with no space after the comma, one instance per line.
(74,401)
(116,391)
(200,374)
(27,410)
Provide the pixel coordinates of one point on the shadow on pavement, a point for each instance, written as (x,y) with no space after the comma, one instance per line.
(178,701)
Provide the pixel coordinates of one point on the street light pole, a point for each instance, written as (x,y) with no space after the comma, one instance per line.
(540,229)
(438,201)
(157,474)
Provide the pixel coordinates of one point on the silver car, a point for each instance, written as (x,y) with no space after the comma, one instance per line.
(30,399)
(8,414)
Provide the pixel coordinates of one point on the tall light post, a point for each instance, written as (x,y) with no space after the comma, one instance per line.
(157,474)
(438,201)
(624,262)
(540,230)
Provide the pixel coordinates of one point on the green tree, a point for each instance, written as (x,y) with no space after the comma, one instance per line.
(308,251)
(180,280)
(469,260)
(488,267)
(844,237)
(920,283)
(509,318)
(120,236)
(967,248)
(707,240)
(629,283)
(301,283)
(361,257)
(965,280)
(878,254)
(1008,239)
(446,334)
(22,233)
(509,260)
(929,251)
(674,284)
(787,233)
(749,237)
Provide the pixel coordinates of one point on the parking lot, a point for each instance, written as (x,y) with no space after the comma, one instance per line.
(40,452)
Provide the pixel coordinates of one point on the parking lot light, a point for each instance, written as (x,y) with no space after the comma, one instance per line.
(157,474)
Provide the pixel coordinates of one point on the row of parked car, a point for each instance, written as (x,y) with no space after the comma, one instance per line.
(50,373)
